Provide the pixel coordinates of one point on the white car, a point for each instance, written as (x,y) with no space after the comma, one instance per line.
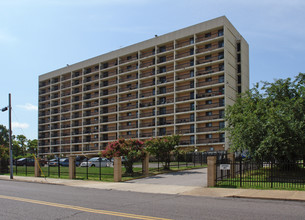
(94,162)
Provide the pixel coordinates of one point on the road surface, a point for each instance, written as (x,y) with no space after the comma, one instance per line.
(28,201)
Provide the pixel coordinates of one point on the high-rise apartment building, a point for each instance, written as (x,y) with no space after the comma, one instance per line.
(177,83)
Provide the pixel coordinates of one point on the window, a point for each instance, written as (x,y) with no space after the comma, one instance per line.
(128,104)
(105,137)
(221,79)
(128,86)
(208,102)
(191,84)
(162,59)
(192,94)
(207,57)
(105,92)
(208,91)
(221,102)
(162,131)
(222,137)
(191,40)
(128,95)
(162,69)
(209,79)
(239,79)
(220,55)
(191,62)
(192,106)
(238,57)
(220,32)
(129,58)
(192,139)
(105,65)
(105,101)
(105,74)
(220,44)
(128,67)
(208,125)
(208,113)
(105,127)
(192,117)
(162,121)
(105,83)
(162,49)
(238,47)
(192,51)
(105,109)
(162,90)
(162,100)
(238,68)
(192,128)
(128,76)
(221,90)
(207,35)
(192,73)
(162,79)
(221,124)
(239,89)
(221,114)
(208,136)
(221,67)
(129,114)
(128,133)
(163,111)
(208,46)
(128,123)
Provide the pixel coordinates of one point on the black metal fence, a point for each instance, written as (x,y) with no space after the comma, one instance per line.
(251,174)
(189,159)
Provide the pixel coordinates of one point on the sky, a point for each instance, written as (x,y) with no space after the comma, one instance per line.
(38,36)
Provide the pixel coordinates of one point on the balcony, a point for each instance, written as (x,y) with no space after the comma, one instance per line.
(166,59)
(128,117)
(184,87)
(212,105)
(184,54)
(184,109)
(184,98)
(129,59)
(147,114)
(146,84)
(210,140)
(165,133)
(209,94)
(209,117)
(123,108)
(147,94)
(208,59)
(184,131)
(184,120)
(208,129)
(206,37)
(147,63)
(165,48)
(147,104)
(164,70)
(128,88)
(128,69)
(212,82)
(147,54)
(147,124)
(167,111)
(167,122)
(167,101)
(167,90)
(214,46)
(148,73)
(126,79)
(208,71)
(135,96)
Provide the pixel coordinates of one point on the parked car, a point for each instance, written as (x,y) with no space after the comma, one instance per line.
(94,162)
(64,162)
(53,162)
(25,162)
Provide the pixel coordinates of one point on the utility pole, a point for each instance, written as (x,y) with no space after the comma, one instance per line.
(10,135)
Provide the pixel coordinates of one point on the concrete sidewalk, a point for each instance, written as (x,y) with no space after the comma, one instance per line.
(170,189)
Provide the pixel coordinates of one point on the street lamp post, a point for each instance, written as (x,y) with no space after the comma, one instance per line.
(9,108)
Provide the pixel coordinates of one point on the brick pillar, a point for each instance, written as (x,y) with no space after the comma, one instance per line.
(37,168)
(145,165)
(117,169)
(231,157)
(72,167)
(211,171)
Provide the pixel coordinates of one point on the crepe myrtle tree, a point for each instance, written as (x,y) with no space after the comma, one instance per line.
(131,149)
(163,148)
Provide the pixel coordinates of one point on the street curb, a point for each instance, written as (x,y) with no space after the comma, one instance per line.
(266,198)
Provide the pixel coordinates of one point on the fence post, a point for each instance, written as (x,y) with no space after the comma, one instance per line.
(211,171)
(117,169)
(37,168)
(72,167)
(231,157)
(240,172)
(145,165)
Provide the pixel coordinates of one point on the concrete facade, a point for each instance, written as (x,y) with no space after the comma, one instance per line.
(177,83)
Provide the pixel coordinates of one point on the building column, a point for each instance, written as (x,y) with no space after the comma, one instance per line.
(117,169)
(211,171)
(72,167)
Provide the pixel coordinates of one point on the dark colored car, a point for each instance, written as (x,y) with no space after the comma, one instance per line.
(25,162)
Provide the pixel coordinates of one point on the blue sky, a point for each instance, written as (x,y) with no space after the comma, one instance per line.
(37,37)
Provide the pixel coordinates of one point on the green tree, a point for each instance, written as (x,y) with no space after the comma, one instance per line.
(163,148)
(32,146)
(4,136)
(132,151)
(4,156)
(22,142)
(269,121)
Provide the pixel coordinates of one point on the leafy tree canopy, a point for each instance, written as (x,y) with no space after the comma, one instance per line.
(269,121)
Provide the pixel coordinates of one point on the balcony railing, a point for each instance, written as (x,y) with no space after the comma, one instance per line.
(210,140)
(147,54)
(147,104)
(184,54)
(128,88)
(208,71)
(146,84)
(213,46)
(184,109)
(147,114)
(203,38)
(128,117)
(123,127)
(209,117)
(184,131)
(148,73)
(208,129)
(147,124)
(184,98)
(123,108)
(212,105)
(167,69)
(147,63)
(135,96)
(165,133)
(167,122)
(212,82)
(128,79)
(147,134)
(184,87)
(208,60)
(167,111)
(209,94)
(184,120)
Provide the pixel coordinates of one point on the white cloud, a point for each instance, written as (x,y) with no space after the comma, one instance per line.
(28,107)
(20,125)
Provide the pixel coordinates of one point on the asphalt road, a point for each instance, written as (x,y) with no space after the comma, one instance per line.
(20,200)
